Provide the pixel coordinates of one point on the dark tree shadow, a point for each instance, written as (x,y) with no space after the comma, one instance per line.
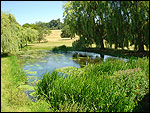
(106,51)
(143,105)
(5,55)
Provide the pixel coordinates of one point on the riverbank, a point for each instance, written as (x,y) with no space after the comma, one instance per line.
(54,41)
(13,99)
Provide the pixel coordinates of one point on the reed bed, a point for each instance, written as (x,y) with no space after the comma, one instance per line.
(110,86)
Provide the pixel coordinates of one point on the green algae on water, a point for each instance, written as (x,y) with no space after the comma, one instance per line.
(32,72)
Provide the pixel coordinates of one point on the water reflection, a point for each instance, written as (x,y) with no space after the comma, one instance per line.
(84,58)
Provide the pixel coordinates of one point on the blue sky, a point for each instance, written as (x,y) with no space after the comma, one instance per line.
(34,11)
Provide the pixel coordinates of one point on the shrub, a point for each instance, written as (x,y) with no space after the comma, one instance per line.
(65,32)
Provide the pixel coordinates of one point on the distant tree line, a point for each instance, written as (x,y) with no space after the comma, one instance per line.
(52,25)
(119,23)
(44,28)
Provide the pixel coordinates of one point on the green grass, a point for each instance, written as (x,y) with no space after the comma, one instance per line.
(113,86)
(12,97)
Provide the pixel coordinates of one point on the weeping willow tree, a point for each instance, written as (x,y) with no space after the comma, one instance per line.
(30,35)
(117,24)
(9,39)
(42,30)
(14,36)
(80,18)
(27,35)
(128,24)
(139,13)
(122,23)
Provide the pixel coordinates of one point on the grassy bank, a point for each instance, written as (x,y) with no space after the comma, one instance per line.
(13,99)
(113,86)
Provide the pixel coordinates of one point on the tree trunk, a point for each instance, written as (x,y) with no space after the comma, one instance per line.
(102,44)
(141,47)
(116,46)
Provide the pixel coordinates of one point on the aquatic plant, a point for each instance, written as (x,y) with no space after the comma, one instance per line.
(31,72)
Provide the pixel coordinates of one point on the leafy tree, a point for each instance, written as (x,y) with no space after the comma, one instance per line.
(13,35)
(118,22)
(139,12)
(42,30)
(9,39)
(81,18)
(42,33)
(127,22)
(54,24)
(65,32)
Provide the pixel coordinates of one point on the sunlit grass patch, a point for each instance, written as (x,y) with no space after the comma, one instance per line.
(26,87)
(12,99)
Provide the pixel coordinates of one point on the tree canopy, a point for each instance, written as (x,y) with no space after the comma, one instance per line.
(13,35)
(42,30)
(52,25)
(65,32)
(122,23)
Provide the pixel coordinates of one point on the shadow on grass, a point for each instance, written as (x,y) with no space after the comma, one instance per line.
(5,55)
(143,105)
(106,51)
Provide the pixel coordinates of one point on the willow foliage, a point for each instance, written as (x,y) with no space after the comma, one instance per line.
(9,39)
(38,30)
(122,23)
(14,36)
(140,24)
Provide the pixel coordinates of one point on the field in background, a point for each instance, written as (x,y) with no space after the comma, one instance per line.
(54,40)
